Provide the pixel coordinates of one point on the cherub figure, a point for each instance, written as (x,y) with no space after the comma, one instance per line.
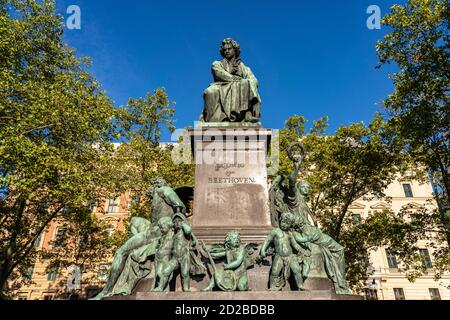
(234,276)
(182,256)
(163,254)
(288,254)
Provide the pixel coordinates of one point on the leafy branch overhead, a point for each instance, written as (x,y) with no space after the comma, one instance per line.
(55,128)
(419,107)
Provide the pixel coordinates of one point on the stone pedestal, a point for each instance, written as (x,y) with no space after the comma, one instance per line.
(231,191)
(241,296)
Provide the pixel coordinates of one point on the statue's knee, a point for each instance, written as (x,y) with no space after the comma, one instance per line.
(275,271)
(167,272)
(297,270)
(210,92)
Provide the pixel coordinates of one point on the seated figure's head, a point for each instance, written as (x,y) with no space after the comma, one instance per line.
(233,239)
(287,220)
(159,182)
(156,183)
(165,224)
(230,49)
(304,187)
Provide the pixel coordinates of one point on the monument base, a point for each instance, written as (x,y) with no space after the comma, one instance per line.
(241,296)
(231,187)
(258,281)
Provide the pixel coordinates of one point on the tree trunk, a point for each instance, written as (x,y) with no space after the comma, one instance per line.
(445,181)
(5,271)
(444,217)
(343,213)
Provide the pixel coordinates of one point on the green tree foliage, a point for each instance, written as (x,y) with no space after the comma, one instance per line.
(141,157)
(55,129)
(419,44)
(419,107)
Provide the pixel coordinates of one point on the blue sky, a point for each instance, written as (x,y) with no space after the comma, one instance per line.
(312,58)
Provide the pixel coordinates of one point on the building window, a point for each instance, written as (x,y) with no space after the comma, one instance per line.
(426,259)
(103,272)
(392,259)
(92,205)
(356,218)
(399,294)
(408,190)
(48,297)
(60,237)
(28,274)
(434,294)
(37,242)
(22,298)
(113,206)
(371,294)
(53,274)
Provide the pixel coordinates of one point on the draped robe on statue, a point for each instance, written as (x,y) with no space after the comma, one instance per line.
(333,254)
(234,94)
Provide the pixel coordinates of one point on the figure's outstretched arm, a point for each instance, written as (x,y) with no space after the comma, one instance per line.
(294,243)
(293,180)
(172,199)
(215,252)
(299,238)
(194,240)
(218,255)
(266,244)
(187,229)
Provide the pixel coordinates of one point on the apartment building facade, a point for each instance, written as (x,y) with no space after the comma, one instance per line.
(387,282)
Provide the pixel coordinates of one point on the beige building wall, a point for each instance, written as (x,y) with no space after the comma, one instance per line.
(383,281)
(386,279)
(114,211)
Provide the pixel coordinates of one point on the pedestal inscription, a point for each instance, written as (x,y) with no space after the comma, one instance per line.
(231,190)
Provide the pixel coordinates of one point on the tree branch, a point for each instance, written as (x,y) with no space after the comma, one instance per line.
(29,245)
(38,128)
(344,208)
